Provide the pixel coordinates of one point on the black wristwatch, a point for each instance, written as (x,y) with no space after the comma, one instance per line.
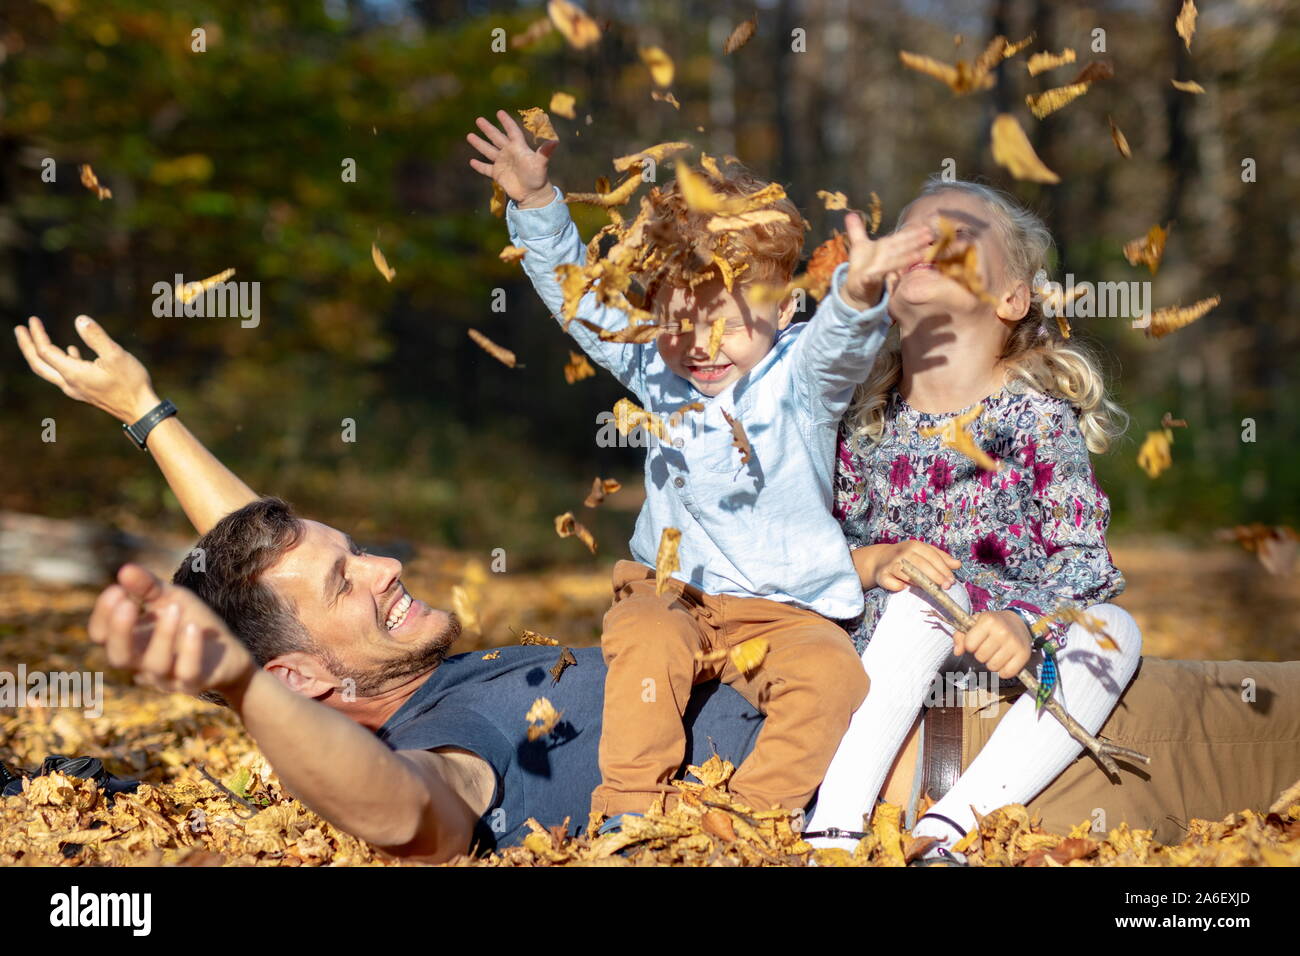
(139,432)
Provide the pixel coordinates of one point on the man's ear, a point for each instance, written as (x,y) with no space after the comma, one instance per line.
(786,315)
(1014,305)
(303,673)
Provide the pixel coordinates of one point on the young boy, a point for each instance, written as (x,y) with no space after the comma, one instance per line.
(760,553)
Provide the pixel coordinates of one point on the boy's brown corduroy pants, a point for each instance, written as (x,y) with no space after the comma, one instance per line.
(808,686)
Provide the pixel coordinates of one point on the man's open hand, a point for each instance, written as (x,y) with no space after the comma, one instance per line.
(514,165)
(167,636)
(871,262)
(115,381)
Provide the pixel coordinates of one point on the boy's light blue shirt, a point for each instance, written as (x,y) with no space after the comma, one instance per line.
(764,529)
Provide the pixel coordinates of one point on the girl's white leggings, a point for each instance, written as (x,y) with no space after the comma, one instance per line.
(1026,752)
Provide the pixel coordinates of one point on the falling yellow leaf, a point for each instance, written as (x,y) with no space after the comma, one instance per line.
(666,561)
(628,416)
(192,290)
(577,368)
(542,718)
(740,35)
(532,33)
(700,197)
(562,105)
(491,655)
(749,655)
(538,124)
(957,260)
(497,204)
(1042,62)
(463,606)
(580,30)
(1049,101)
(567,526)
(502,355)
(658,152)
(1155,455)
(739,440)
(659,63)
(381,263)
(512,254)
(1148,249)
(677,415)
(1185,25)
(836,200)
(1172,318)
(529,638)
(600,488)
(665,98)
(91,182)
(1188,86)
(746,220)
(876,213)
(955,435)
(1119,139)
(1011,149)
(966,77)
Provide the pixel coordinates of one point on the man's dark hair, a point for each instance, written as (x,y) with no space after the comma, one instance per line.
(232,558)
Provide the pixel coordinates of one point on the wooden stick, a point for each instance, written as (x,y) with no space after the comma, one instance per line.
(1101,749)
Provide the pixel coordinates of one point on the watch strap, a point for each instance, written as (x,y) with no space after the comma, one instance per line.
(139,431)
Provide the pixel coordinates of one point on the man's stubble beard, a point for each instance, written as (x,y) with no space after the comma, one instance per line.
(418,660)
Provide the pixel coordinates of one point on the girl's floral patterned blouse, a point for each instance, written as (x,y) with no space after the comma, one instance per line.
(1032,535)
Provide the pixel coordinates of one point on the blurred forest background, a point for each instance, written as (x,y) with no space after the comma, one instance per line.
(232,158)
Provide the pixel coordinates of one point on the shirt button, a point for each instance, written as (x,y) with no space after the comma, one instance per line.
(678,442)
(679,482)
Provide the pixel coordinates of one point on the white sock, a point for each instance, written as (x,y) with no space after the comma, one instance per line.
(1029,750)
(902,659)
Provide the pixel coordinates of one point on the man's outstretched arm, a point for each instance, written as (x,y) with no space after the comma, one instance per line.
(411,803)
(117,383)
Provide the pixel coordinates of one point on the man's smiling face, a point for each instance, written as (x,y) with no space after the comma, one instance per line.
(364,623)
(750,332)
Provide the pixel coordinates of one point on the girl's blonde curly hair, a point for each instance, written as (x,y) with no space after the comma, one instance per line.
(1037,355)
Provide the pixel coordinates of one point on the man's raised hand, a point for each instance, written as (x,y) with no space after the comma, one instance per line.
(871,262)
(115,381)
(167,636)
(514,165)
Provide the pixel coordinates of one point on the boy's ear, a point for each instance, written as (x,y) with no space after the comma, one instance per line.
(1014,306)
(786,315)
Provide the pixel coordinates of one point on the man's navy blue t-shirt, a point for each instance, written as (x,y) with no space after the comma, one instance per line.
(479,705)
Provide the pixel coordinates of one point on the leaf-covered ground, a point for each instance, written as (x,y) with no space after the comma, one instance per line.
(210,798)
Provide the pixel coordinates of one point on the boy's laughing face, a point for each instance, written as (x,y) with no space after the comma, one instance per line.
(750,333)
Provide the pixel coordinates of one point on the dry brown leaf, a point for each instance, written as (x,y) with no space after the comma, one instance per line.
(629,334)
(577,368)
(492,655)
(666,561)
(1172,318)
(739,440)
(1049,101)
(192,290)
(609,198)
(876,212)
(741,35)
(658,152)
(667,97)
(677,415)
(1148,249)
(562,105)
(1012,149)
(381,263)
(660,65)
(1042,62)
(964,77)
(538,125)
(716,333)
(746,220)
(826,258)
(1188,86)
(747,656)
(957,260)
(1119,139)
(512,254)
(955,434)
(462,604)
(580,30)
(628,416)
(542,718)
(1094,71)
(497,204)
(91,182)
(600,488)
(566,660)
(700,197)
(502,355)
(567,526)
(529,638)
(1185,24)
(833,200)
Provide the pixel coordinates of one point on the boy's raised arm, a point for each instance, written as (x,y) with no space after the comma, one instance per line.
(835,353)
(539,222)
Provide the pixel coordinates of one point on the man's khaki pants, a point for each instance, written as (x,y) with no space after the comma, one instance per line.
(808,686)
(1222,736)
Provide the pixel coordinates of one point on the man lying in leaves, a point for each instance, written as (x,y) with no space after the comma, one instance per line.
(338,673)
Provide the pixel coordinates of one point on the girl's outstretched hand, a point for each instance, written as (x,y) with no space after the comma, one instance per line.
(511,163)
(871,262)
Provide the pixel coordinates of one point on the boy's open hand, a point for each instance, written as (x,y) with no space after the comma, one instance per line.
(167,636)
(872,262)
(514,165)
